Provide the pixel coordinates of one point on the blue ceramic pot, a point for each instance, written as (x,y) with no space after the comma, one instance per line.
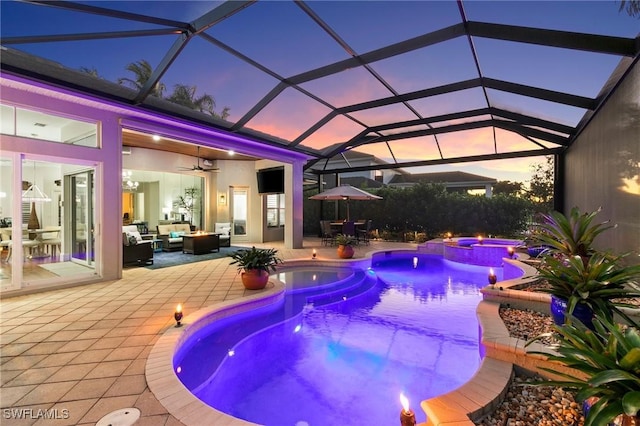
(535,251)
(559,307)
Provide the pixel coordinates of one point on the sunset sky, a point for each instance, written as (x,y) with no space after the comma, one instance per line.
(278,35)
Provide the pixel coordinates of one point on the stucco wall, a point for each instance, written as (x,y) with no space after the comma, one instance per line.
(602,167)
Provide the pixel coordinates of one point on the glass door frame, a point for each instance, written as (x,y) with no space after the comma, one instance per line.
(80,212)
(233,200)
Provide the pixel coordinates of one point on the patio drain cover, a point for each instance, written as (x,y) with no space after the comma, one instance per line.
(123,417)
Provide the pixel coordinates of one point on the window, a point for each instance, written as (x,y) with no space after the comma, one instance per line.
(37,125)
(275,210)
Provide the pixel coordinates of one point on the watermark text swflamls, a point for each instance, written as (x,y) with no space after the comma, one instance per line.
(37,413)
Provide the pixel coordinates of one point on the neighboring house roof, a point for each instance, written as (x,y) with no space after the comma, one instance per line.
(353,157)
(448,178)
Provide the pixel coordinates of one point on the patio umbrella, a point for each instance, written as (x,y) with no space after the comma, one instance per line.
(345,192)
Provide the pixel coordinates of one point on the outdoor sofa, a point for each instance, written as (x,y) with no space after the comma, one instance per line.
(135,249)
(171,235)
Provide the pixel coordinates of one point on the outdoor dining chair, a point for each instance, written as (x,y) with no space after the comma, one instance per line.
(328,234)
(349,228)
(363,231)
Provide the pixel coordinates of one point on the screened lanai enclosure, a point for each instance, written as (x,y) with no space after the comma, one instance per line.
(415,83)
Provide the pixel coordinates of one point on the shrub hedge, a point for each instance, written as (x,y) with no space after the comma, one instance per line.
(427,211)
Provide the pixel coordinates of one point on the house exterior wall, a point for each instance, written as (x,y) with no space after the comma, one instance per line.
(107,162)
(601,168)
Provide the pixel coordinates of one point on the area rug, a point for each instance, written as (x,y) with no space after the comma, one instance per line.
(173,258)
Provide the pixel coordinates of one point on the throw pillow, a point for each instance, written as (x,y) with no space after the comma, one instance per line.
(132,239)
(137,235)
(173,234)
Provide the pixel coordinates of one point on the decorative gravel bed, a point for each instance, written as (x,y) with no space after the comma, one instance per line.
(528,404)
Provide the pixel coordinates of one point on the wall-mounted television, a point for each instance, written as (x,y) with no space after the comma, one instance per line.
(271,181)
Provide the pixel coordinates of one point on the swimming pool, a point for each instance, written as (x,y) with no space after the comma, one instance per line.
(342,344)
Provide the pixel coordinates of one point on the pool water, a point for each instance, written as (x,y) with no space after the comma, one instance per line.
(342,353)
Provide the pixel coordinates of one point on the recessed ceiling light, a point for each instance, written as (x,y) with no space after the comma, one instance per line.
(156,138)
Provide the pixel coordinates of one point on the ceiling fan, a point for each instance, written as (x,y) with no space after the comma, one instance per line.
(198,167)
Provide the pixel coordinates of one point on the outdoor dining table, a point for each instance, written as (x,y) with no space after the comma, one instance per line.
(339,226)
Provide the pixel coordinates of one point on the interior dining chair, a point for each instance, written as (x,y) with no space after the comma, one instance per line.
(5,244)
(51,240)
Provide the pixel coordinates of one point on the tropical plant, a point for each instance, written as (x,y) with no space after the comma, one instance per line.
(142,71)
(541,185)
(571,235)
(186,96)
(608,359)
(632,7)
(93,72)
(596,284)
(345,240)
(188,202)
(253,258)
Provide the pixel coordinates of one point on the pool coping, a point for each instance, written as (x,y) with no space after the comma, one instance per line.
(159,372)
(473,400)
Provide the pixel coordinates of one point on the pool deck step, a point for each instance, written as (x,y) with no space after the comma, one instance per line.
(473,400)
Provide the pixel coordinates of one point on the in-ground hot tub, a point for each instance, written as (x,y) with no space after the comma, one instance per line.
(481,252)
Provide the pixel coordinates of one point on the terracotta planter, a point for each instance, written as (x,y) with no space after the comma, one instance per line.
(254,279)
(345,252)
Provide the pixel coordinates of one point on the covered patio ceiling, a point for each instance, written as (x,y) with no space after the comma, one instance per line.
(413,83)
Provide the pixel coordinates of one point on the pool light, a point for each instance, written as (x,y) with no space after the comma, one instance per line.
(178,315)
(511,251)
(298,328)
(492,277)
(415,262)
(479,239)
(313,256)
(407,416)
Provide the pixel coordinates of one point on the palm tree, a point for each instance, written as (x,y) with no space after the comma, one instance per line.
(91,71)
(142,71)
(186,96)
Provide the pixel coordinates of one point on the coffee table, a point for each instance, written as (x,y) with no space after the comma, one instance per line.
(200,243)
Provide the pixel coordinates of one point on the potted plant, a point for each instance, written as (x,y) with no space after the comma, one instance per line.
(345,246)
(581,279)
(581,289)
(607,360)
(254,266)
(569,235)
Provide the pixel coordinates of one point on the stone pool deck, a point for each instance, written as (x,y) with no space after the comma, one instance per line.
(81,353)
(85,352)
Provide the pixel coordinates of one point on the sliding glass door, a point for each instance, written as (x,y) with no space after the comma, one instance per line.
(81,221)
